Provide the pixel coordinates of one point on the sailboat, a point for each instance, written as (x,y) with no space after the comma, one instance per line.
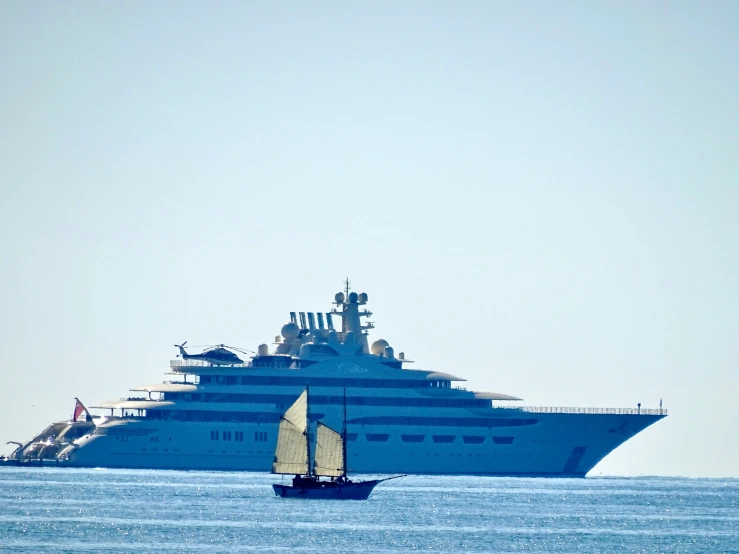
(293,457)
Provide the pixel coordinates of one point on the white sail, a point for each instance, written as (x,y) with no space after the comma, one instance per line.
(291,453)
(329,458)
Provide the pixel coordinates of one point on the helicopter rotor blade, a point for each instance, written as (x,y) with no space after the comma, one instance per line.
(242,350)
(211,346)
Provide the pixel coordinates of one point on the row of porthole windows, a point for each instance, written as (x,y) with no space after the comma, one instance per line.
(286,381)
(274,417)
(439,439)
(326,400)
(238,436)
(227,436)
(262,436)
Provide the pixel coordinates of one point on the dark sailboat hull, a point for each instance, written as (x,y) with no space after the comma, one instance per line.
(329,491)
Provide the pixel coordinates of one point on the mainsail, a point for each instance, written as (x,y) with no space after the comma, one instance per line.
(291,454)
(329,458)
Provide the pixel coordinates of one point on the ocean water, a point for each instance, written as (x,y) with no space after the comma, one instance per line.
(80,511)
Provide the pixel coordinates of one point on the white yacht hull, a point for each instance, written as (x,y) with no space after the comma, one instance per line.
(558,445)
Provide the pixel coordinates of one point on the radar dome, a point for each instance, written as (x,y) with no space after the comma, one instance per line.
(353,296)
(389,352)
(378,347)
(262,350)
(363,297)
(290,331)
(339,297)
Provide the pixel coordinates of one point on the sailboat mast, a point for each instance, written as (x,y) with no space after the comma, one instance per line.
(345,470)
(307,426)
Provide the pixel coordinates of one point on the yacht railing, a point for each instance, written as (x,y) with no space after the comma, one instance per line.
(565,410)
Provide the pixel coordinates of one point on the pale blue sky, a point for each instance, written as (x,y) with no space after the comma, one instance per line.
(538,196)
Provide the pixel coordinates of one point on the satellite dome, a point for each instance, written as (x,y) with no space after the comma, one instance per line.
(339,297)
(290,331)
(378,347)
(353,296)
(363,297)
(389,352)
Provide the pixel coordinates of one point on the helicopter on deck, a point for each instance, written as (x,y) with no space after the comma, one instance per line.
(217,354)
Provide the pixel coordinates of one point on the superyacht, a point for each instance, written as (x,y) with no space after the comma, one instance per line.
(216,411)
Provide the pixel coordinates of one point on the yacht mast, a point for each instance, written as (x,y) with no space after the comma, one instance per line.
(307,428)
(352,330)
(344,470)
(347,286)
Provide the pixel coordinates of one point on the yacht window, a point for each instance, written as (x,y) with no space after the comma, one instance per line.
(412,438)
(443,421)
(282,400)
(503,440)
(377,437)
(445,439)
(331,381)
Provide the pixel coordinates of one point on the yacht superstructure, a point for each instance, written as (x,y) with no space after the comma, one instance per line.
(226,416)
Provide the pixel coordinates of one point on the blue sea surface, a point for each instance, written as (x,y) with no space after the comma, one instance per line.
(78,510)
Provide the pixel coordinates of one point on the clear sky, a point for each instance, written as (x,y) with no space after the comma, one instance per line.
(541,197)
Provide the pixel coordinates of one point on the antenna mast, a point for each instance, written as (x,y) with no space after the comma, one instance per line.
(347,287)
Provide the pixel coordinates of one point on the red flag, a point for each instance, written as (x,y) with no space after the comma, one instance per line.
(79,409)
